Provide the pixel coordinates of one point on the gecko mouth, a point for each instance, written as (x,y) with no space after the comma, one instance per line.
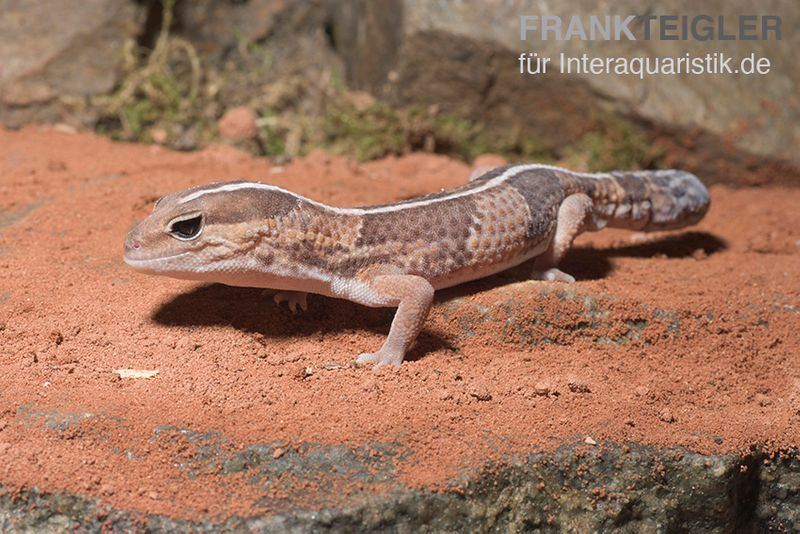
(148,264)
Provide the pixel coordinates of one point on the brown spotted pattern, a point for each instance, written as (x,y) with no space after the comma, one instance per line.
(434,237)
(494,227)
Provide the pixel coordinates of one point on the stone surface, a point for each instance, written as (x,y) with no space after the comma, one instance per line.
(462,56)
(58,50)
(577,488)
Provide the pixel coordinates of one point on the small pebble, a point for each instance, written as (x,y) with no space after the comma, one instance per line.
(56,337)
(480,393)
(666,416)
(577,387)
(238,124)
(158,135)
(542,388)
(762,399)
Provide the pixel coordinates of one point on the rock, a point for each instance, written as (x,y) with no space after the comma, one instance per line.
(215,28)
(543,388)
(61,51)
(666,416)
(480,391)
(464,58)
(725,493)
(56,337)
(238,124)
(578,387)
(159,135)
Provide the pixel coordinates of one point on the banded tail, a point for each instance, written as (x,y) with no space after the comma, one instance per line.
(643,200)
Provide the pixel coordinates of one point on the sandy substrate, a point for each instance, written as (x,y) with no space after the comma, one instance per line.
(686,339)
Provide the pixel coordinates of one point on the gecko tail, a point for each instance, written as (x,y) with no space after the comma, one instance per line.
(649,200)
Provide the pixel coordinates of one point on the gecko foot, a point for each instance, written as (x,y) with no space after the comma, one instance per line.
(293,299)
(553,275)
(381,358)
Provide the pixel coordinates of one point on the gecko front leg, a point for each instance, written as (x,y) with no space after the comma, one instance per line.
(413,296)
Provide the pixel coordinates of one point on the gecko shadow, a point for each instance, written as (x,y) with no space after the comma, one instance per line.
(253,311)
(583,261)
(588,263)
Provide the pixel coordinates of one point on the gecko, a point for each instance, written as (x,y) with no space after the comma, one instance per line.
(397,255)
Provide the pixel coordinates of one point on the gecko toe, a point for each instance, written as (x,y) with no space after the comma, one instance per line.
(553,275)
(293,299)
(380,359)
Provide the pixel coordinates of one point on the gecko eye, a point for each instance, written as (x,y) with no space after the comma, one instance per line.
(186,229)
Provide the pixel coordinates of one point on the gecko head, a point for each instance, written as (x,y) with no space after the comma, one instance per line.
(205,230)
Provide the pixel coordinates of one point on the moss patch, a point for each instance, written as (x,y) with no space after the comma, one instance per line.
(169,96)
(379,130)
(612,143)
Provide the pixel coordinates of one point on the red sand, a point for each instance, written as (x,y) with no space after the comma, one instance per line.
(71,312)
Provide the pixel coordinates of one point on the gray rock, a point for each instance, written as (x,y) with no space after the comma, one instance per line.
(462,56)
(576,488)
(56,54)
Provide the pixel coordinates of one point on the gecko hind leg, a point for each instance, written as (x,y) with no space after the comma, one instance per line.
(574,216)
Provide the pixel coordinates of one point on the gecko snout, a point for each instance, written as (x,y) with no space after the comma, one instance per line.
(132,243)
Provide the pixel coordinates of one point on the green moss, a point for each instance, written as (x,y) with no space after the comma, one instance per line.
(379,130)
(613,143)
(167,88)
(136,116)
(161,88)
(272,142)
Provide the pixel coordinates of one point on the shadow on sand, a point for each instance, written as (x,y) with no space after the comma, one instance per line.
(253,310)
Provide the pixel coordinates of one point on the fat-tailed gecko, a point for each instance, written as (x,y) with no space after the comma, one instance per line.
(397,255)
